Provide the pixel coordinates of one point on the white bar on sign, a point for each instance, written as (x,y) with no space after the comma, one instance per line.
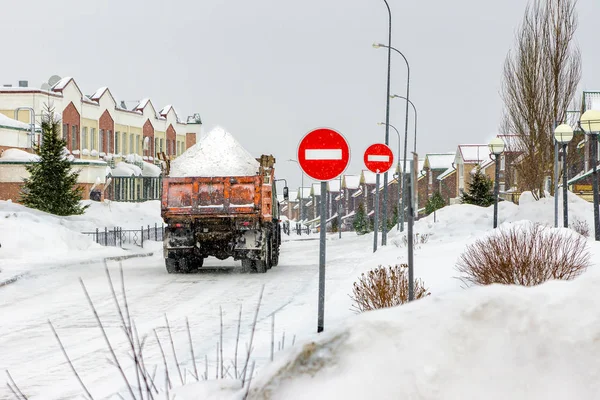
(372,157)
(323,154)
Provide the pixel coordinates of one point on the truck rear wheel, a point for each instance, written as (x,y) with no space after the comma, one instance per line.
(183,264)
(260,266)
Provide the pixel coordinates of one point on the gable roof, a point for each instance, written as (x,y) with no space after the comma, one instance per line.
(334,185)
(99,93)
(368,177)
(446,174)
(473,153)
(439,160)
(142,104)
(351,181)
(62,84)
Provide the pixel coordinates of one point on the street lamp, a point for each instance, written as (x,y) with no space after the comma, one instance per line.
(590,123)
(387,121)
(301,194)
(398,163)
(378,45)
(563,134)
(496,148)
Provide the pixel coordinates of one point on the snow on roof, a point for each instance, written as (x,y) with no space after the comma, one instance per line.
(150,170)
(408,169)
(142,104)
(60,85)
(352,181)
(316,189)
(440,160)
(446,174)
(474,153)
(334,186)
(305,191)
(370,178)
(165,110)
(216,154)
(13,123)
(18,155)
(126,169)
(99,93)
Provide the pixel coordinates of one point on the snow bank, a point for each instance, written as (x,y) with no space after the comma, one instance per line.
(13,123)
(497,342)
(126,169)
(216,154)
(18,155)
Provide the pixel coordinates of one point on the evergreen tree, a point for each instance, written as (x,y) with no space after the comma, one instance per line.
(52,186)
(480,191)
(361,222)
(435,202)
(394,220)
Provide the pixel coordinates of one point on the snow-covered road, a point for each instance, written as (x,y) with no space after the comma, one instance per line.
(31,352)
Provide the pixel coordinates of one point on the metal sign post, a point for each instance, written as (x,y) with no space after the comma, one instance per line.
(378,158)
(323,154)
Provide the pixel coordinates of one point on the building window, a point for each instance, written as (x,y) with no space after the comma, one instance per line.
(117,134)
(65,131)
(124,143)
(430,177)
(93,143)
(84,138)
(131,139)
(161,145)
(110,139)
(137,144)
(156,148)
(101,136)
(74,137)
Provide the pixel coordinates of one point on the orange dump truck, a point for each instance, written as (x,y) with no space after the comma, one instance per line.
(229,216)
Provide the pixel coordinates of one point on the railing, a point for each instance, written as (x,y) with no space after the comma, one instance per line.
(118,237)
(134,188)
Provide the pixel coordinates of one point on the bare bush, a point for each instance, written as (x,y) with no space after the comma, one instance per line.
(526,256)
(581,227)
(384,287)
(418,238)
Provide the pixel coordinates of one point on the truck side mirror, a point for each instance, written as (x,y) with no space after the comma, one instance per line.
(286,195)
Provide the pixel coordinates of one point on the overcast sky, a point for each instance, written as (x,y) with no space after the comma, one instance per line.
(269,71)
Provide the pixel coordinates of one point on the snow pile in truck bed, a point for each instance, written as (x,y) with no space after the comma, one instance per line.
(216,154)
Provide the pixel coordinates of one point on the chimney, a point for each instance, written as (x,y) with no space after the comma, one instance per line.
(23,83)
(9,85)
(123,105)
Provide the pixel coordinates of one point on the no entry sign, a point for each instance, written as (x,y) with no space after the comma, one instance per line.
(379,158)
(323,154)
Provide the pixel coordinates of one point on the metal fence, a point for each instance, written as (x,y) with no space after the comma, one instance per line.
(298,228)
(118,236)
(133,188)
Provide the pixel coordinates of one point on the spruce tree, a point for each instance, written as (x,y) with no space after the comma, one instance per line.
(52,185)
(434,203)
(480,191)
(360,223)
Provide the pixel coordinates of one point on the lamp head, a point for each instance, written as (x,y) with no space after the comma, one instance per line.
(496,146)
(590,122)
(563,133)
(377,45)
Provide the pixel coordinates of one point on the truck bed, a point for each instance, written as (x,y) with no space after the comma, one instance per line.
(214,196)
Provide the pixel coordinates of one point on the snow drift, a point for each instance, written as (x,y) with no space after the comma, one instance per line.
(216,154)
(494,342)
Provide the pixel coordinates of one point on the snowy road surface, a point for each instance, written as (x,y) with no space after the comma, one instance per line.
(31,353)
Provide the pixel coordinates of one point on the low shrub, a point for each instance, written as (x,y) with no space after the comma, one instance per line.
(524,255)
(384,287)
(580,226)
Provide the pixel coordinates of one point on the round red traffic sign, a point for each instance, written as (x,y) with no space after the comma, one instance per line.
(379,158)
(323,154)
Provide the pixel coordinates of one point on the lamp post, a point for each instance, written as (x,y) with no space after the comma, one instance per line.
(415,192)
(301,194)
(378,45)
(496,148)
(590,123)
(563,134)
(399,211)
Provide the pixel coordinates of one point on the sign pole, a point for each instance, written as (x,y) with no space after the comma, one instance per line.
(323,154)
(376,220)
(322,246)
